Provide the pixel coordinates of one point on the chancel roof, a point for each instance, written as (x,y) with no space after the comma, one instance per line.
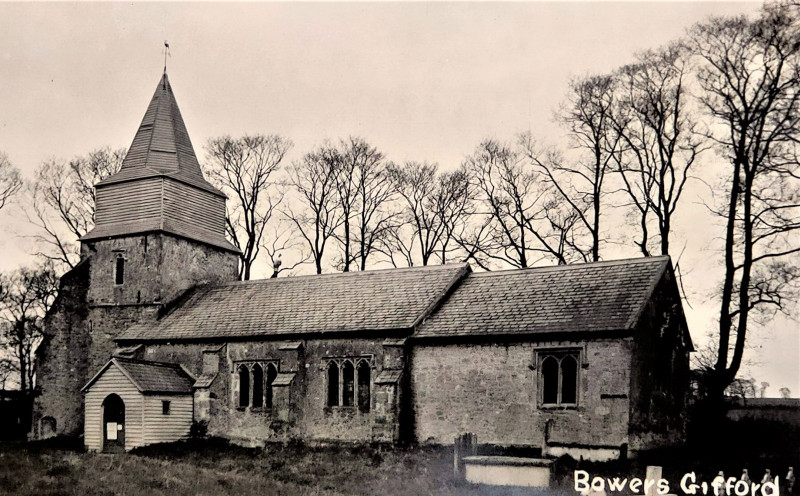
(377,300)
(600,296)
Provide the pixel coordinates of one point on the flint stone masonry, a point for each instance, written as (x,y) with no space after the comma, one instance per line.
(491,390)
(61,357)
(92,311)
(158,268)
(299,407)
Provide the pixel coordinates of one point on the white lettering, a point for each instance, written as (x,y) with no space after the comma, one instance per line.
(598,484)
(648,483)
(616,485)
(691,488)
(741,488)
(581,480)
(771,488)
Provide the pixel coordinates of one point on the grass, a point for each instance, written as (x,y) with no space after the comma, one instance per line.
(213,467)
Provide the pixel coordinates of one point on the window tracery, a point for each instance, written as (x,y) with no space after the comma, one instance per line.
(559,377)
(348,382)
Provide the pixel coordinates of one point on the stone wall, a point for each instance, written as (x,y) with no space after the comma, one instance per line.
(660,377)
(62,369)
(92,310)
(299,408)
(493,391)
(158,268)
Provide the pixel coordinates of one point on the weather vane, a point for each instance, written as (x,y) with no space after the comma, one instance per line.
(166,52)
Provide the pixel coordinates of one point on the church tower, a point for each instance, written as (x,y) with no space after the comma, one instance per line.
(159,230)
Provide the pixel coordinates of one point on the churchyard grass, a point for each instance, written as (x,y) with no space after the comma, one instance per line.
(215,468)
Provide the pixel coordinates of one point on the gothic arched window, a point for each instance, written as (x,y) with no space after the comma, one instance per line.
(258,386)
(558,377)
(348,385)
(244,386)
(272,373)
(569,380)
(550,380)
(363,386)
(333,384)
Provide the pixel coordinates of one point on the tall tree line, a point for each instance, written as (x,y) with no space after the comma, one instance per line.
(725,93)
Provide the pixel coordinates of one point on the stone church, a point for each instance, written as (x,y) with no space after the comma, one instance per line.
(152,335)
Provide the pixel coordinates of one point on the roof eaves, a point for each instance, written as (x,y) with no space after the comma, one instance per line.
(96,376)
(510,337)
(634,320)
(119,177)
(188,372)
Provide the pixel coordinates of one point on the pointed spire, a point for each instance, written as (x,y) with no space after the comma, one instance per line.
(160,186)
(162,142)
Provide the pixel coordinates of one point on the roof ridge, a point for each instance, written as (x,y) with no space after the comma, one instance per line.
(274,280)
(546,268)
(149,362)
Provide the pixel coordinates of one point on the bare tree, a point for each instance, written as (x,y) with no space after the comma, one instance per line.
(25,297)
(314,180)
(364,192)
(742,388)
(658,129)
(513,223)
(588,116)
(435,206)
(246,169)
(416,185)
(7,370)
(63,203)
(454,204)
(10,181)
(283,238)
(750,76)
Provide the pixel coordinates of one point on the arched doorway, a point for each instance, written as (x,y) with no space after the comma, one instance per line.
(113,424)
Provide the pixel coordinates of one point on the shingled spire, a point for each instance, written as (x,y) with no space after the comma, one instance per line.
(160,186)
(162,143)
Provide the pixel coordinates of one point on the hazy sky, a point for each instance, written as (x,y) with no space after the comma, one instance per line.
(421,81)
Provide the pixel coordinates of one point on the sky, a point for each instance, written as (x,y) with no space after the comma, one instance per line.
(420,81)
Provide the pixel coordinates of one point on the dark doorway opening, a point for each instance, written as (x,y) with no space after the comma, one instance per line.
(113,424)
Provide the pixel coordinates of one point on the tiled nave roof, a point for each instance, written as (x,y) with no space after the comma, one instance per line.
(427,302)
